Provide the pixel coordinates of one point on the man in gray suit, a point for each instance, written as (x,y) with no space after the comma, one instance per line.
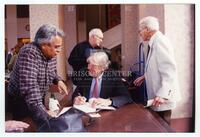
(160,69)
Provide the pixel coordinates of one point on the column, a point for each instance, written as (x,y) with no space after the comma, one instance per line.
(180,29)
(130,39)
(11,26)
(71,31)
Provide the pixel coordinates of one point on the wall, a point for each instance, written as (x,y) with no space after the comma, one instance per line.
(129,25)
(11,26)
(21,30)
(70,30)
(15,27)
(179,27)
(156,10)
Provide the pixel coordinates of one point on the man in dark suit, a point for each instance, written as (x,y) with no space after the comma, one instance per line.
(80,53)
(104,86)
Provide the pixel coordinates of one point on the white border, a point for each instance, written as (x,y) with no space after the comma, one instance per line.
(197,65)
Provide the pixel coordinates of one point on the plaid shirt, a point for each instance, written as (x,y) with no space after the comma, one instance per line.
(32,75)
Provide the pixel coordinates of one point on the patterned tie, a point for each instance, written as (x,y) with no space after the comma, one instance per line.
(95,89)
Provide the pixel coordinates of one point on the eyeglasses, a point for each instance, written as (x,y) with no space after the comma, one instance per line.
(55,46)
(141,30)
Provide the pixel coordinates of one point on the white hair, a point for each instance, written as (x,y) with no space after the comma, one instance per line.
(96,31)
(100,59)
(46,33)
(149,22)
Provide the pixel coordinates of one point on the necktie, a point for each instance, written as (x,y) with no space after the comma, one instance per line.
(95,89)
(148,51)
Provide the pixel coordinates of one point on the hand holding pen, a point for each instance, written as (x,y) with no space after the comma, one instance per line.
(79,100)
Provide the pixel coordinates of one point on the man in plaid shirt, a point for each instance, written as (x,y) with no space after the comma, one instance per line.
(34,72)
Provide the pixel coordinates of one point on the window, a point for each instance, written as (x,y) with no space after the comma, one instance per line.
(22,11)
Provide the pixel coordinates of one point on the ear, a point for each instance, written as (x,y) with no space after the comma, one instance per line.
(43,46)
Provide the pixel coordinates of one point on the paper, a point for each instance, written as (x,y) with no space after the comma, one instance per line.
(53,104)
(88,109)
(105,108)
(85,108)
(65,109)
(149,103)
(95,115)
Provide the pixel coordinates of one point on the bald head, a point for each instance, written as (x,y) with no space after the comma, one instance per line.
(95,37)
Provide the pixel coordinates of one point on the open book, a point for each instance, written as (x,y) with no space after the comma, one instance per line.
(88,109)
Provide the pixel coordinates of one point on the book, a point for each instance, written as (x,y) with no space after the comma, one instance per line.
(88,109)
(93,112)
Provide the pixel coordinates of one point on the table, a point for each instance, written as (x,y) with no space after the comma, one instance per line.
(129,118)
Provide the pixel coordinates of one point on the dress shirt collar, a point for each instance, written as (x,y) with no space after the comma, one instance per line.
(100,76)
(153,38)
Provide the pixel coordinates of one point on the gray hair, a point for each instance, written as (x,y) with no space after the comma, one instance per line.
(150,22)
(96,31)
(100,59)
(46,33)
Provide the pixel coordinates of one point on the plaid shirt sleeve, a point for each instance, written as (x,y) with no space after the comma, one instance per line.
(29,88)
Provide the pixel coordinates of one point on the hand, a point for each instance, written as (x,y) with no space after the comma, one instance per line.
(62,87)
(139,81)
(100,101)
(157,101)
(13,125)
(79,100)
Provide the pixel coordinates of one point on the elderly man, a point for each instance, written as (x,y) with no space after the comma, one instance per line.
(34,72)
(104,86)
(80,53)
(160,69)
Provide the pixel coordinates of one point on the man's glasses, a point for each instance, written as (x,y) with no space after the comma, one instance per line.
(55,46)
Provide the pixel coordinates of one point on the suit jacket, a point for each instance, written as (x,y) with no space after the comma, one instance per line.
(80,53)
(78,58)
(161,72)
(111,87)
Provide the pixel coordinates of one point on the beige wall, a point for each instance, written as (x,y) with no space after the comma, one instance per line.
(156,10)
(130,39)
(15,27)
(11,26)
(70,30)
(179,27)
